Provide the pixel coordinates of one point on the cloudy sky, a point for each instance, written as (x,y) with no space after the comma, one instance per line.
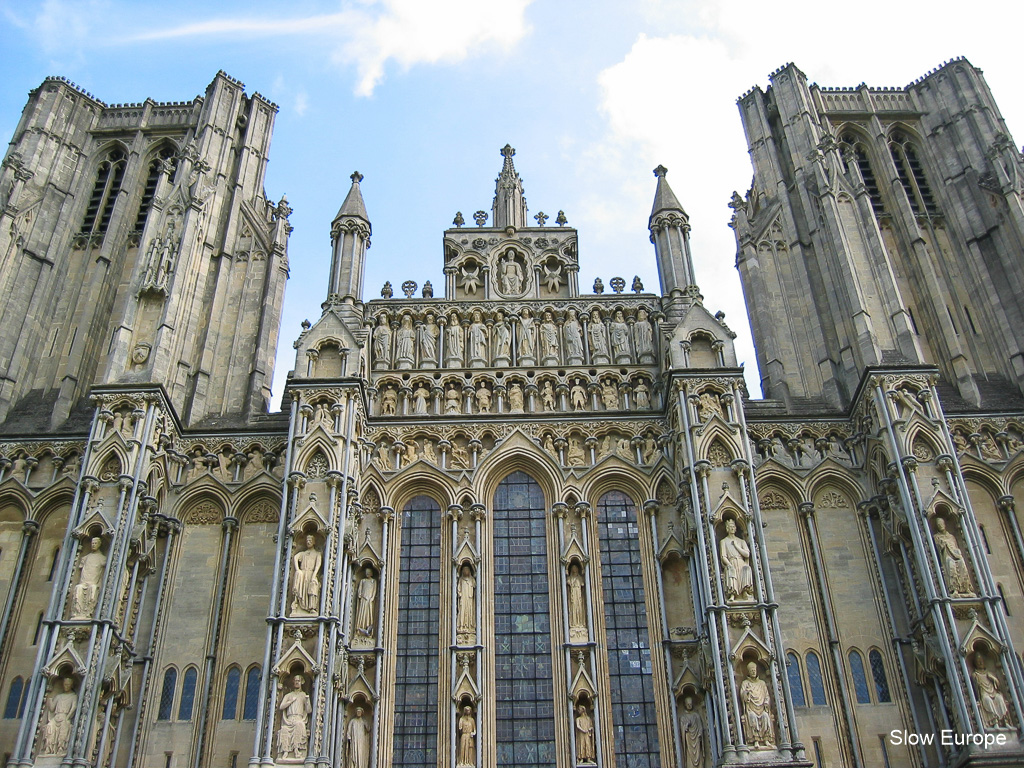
(419,95)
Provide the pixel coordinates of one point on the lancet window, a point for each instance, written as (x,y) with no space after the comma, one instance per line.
(167,694)
(853,142)
(911,175)
(796,683)
(15,706)
(104,193)
(231,685)
(860,680)
(149,190)
(814,677)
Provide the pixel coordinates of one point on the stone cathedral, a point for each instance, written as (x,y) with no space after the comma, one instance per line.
(519,523)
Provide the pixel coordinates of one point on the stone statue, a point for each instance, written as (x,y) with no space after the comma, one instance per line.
(527,338)
(293,735)
(598,339)
(382,343)
(453,341)
(642,396)
(389,402)
(548,340)
(357,741)
(994,712)
(306,582)
(410,450)
(90,573)
(510,276)
(419,400)
(736,572)
(573,335)
(466,755)
(483,399)
(429,334)
(60,714)
(460,456)
(515,399)
(691,725)
(366,596)
(578,396)
(574,456)
(452,401)
(618,332)
(478,339)
(708,405)
(586,748)
(651,452)
(757,709)
(465,622)
(502,340)
(577,604)
(643,338)
(609,395)
(954,568)
(428,452)
(405,344)
(547,396)
(549,445)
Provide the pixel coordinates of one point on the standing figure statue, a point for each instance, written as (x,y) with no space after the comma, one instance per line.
(691,724)
(306,583)
(643,338)
(465,622)
(954,568)
(736,572)
(60,714)
(598,339)
(357,741)
(453,340)
(757,708)
(502,340)
(405,344)
(429,334)
(586,747)
(90,575)
(619,333)
(478,340)
(548,340)
(382,343)
(366,596)
(466,755)
(572,332)
(527,338)
(994,712)
(577,604)
(293,735)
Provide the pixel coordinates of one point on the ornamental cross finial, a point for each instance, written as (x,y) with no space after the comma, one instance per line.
(356,177)
(541,218)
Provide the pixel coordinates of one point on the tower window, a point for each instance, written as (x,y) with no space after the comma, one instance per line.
(911,174)
(149,191)
(796,684)
(860,680)
(109,176)
(852,141)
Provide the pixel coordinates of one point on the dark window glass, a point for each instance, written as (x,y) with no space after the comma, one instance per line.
(629,652)
(167,694)
(104,193)
(188,694)
(149,191)
(524,711)
(252,694)
(860,681)
(231,684)
(796,683)
(12,710)
(878,673)
(815,678)
(419,603)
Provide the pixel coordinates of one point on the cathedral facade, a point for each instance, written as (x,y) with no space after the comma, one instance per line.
(520,523)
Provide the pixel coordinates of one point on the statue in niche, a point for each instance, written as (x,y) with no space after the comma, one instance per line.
(642,396)
(306,582)
(483,399)
(954,567)
(411,447)
(527,337)
(382,343)
(586,747)
(988,448)
(428,452)
(405,344)
(708,405)
(321,415)
(357,741)
(549,445)
(757,709)
(419,400)
(548,340)
(618,332)
(429,334)
(553,276)
(366,596)
(736,571)
(388,402)
(575,457)
(470,278)
(994,712)
(577,604)
(478,338)
(515,399)
(906,403)
(510,276)
(293,735)
(959,441)
(502,340)
(453,340)
(466,755)
(651,452)
(691,725)
(60,714)
(578,396)
(547,396)
(643,338)
(598,338)
(573,335)
(609,395)
(452,401)
(460,456)
(465,622)
(90,573)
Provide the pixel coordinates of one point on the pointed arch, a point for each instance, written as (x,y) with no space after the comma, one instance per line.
(112,160)
(518,453)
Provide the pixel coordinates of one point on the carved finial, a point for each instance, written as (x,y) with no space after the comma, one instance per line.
(598,285)
(480,217)
(409,288)
(458,221)
(428,290)
(507,152)
(560,220)
(356,177)
(660,171)
(541,217)
(306,325)
(386,291)
(638,286)
(618,284)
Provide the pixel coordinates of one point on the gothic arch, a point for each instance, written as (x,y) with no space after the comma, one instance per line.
(834,477)
(198,493)
(317,441)
(424,480)
(617,479)
(518,455)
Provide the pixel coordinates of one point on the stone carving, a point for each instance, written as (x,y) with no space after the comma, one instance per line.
(575,457)
(466,755)
(357,741)
(366,598)
(548,340)
(619,335)
(577,605)
(954,568)
(598,339)
(572,333)
(419,400)
(708,405)
(737,576)
(453,342)
(388,402)
(527,338)
(643,338)
(470,277)
(428,452)
(547,396)
(515,399)
(306,582)
(60,714)
(691,725)
(483,399)
(90,574)
(405,344)
(382,343)
(510,276)
(429,334)
(460,456)
(293,735)
(502,341)
(578,396)
(994,712)
(757,709)
(609,395)
(642,396)
(586,748)
(452,401)
(465,622)
(651,452)
(988,449)
(477,341)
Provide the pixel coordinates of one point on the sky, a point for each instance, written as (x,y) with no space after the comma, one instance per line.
(420,95)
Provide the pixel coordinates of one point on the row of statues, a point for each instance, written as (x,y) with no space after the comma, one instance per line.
(522,339)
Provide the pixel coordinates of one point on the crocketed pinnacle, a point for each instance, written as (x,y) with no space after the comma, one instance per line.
(509,208)
(664,198)
(353,207)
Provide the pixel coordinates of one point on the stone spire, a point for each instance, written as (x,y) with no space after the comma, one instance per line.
(670,233)
(350,238)
(509,208)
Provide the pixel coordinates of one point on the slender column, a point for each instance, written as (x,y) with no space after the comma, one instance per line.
(29,528)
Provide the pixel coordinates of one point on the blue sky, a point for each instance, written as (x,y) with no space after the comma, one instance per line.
(419,96)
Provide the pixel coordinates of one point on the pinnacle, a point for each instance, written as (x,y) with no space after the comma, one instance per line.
(664,198)
(353,205)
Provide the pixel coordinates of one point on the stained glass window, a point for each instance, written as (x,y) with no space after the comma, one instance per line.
(252,693)
(13,708)
(860,681)
(419,596)
(188,694)
(796,684)
(167,694)
(878,673)
(524,711)
(231,684)
(817,682)
(629,651)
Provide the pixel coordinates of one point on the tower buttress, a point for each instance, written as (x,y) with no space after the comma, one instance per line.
(509,207)
(350,238)
(670,233)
